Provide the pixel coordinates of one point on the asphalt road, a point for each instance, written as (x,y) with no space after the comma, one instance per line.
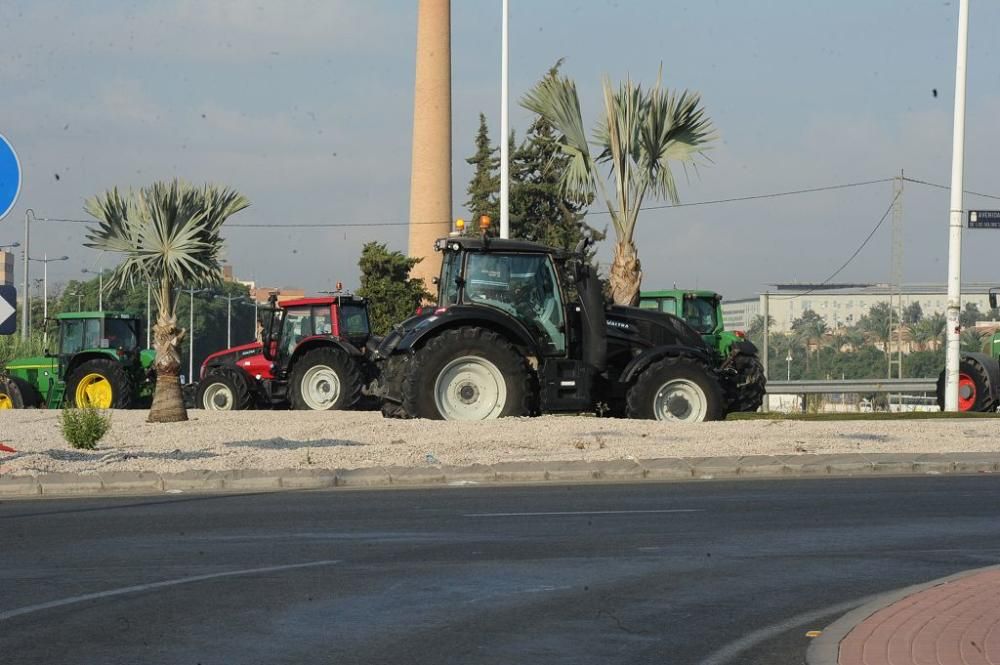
(705,572)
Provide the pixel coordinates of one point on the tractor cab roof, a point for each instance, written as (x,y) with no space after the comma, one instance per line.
(96,315)
(478,244)
(334,299)
(680,293)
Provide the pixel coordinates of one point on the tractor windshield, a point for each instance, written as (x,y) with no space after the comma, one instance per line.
(524,286)
(121,334)
(699,313)
(354,319)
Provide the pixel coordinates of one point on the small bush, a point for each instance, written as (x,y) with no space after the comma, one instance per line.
(83,428)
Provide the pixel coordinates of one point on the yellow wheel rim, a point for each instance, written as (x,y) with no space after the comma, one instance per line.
(6,402)
(94,390)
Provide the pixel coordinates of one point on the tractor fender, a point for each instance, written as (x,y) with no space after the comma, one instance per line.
(81,358)
(655,354)
(457,316)
(992,368)
(318,341)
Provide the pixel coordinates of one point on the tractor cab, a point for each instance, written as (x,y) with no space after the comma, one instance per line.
(292,322)
(702,310)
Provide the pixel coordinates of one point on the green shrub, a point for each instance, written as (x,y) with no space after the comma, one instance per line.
(83,428)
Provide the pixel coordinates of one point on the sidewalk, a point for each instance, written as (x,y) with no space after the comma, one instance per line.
(954,621)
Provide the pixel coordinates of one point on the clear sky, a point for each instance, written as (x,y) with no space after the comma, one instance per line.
(306,107)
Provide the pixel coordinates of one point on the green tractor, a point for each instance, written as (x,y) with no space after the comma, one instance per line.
(702,310)
(99,364)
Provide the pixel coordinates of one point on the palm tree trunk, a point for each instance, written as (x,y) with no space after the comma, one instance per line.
(168,402)
(626,274)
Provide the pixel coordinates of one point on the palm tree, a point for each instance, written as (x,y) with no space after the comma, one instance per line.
(929,331)
(639,133)
(170,236)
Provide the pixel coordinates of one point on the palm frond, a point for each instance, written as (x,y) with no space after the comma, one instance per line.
(555,99)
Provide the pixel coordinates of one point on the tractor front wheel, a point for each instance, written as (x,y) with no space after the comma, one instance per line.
(974,392)
(100,384)
(676,389)
(325,379)
(223,391)
(16,393)
(751,384)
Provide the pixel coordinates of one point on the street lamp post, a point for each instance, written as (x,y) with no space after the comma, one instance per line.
(100,287)
(788,362)
(190,377)
(45,261)
(953,348)
(504,130)
(229,317)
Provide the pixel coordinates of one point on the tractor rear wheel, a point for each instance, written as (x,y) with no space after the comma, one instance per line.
(325,379)
(16,393)
(676,389)
(223,390)
(974,392)
(102,384)
(467,374)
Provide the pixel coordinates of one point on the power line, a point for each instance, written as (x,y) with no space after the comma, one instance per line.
(851,258)
(964,191)
(773,195)
(387,223)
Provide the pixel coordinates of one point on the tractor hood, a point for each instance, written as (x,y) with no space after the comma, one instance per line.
(231,356)
(651,327)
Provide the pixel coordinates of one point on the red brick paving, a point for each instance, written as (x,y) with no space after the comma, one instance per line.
(954,623)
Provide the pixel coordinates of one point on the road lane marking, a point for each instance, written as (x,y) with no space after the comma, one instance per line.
(587,512)
(62,602)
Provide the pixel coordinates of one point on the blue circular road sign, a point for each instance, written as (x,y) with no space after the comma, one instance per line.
(10,177)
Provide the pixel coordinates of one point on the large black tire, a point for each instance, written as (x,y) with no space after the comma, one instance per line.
(686,376)
(223,390)
(490,379)
(311,381)
(750,385)
(122,391)
(16,393)
(391,376)
(974,392)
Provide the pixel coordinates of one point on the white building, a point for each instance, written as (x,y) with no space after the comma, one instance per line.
(842,304)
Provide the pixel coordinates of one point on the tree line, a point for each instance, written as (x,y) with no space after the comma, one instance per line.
(862,350)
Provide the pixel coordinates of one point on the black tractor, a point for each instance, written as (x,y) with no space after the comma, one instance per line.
(523,329)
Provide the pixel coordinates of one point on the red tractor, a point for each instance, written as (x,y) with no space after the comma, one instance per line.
(311,356)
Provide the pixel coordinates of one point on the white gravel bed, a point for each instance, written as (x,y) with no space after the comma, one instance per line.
(273,440)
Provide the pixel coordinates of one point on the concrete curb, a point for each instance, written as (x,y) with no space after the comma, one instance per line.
(825,649)
(615,471)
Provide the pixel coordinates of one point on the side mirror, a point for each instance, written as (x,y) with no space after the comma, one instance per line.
(435,280)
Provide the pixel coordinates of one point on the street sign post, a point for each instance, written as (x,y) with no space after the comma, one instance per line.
(8,303)
(10,177)
(984,219)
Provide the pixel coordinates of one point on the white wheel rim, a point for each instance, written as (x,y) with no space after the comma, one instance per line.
(470,388)
(680,400)
(320,387)
(218,397)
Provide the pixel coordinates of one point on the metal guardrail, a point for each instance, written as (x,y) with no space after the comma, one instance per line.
(845,386)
